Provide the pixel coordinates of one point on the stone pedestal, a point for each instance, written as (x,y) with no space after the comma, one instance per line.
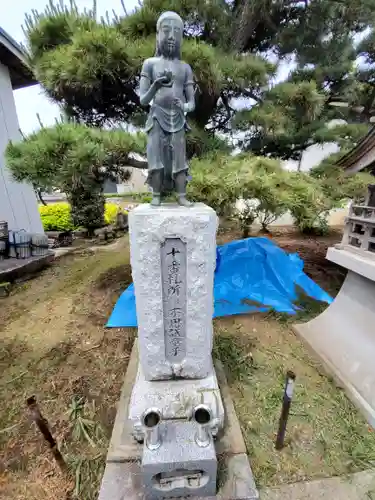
(176,407)
(124,476)
(173,256)
(344,335)
(177,400)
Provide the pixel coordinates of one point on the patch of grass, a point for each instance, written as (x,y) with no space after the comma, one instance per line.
(326,435)
(88,463)
(237,360)
(87,473)
(125,196)
(307,309)
(54,344)
(84,427)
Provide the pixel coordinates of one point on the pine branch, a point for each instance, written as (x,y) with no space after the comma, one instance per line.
(250,93)
(133,162)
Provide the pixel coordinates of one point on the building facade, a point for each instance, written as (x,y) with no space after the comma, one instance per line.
(18,203)
(135,184)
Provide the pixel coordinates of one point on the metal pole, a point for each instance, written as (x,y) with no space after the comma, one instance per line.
(287,399)
(151,419)
(202,415)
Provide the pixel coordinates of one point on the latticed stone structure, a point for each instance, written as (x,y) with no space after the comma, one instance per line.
(359,233)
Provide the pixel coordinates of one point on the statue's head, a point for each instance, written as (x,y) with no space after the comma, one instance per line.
(169,28)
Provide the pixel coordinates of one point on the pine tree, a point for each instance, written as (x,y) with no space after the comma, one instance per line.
(91,68)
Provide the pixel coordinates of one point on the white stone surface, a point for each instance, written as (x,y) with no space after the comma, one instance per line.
(343,336)
(149,227)
(359,261)
(122,479)
(175,399)
(178,459)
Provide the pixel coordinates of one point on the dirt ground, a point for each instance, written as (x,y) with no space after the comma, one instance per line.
(54,346)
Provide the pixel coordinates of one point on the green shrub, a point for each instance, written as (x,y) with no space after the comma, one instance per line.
(219,181)
(77,159)
(110,212)
(213,183)
(58,217)
(143,197)
(326,187)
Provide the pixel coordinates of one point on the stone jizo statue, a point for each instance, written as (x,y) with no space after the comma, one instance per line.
(167,85)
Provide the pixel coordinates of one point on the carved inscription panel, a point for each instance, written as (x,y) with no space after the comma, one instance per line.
(173,266)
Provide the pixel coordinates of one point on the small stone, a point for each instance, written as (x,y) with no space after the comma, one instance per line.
(100,231)
(4,290)
(81,232)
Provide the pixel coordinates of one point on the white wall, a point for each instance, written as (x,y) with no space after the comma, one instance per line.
(312,156)
(136,183)
(18,203)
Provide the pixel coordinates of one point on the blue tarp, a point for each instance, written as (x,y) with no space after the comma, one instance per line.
(251,275)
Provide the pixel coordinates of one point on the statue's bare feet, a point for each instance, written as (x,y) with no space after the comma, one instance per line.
(184,202)
(155,202)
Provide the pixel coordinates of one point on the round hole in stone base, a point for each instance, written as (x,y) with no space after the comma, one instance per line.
(202,415)
(151,418)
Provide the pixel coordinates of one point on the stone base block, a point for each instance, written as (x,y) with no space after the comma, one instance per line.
(18,270)
(179,467)
(123,481)
(173,257)
(175,399)
(123,474)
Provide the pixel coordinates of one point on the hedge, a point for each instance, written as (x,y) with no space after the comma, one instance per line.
(57,216)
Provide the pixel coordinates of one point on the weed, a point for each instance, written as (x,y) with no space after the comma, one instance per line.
(306,307)
(82,426)
(87,473)
(237,358)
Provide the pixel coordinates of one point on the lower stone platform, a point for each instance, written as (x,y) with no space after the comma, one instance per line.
(122,478)
(18,269)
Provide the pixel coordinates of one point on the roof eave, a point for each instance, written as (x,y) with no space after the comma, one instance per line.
(359,157)
(12,56)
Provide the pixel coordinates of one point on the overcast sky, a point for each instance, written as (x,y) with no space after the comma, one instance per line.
(31,101)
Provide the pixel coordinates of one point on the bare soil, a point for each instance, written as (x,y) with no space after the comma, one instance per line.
(54,345)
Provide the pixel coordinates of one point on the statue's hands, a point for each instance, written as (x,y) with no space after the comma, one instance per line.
(169,78)
(166,80)
(161,82)
(177,102)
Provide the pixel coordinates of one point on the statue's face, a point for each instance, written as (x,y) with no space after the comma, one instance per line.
(170,38)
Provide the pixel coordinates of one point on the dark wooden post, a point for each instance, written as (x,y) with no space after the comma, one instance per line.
(287,399)
(42,425)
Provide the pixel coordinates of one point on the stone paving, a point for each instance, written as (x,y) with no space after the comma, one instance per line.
(359,486)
